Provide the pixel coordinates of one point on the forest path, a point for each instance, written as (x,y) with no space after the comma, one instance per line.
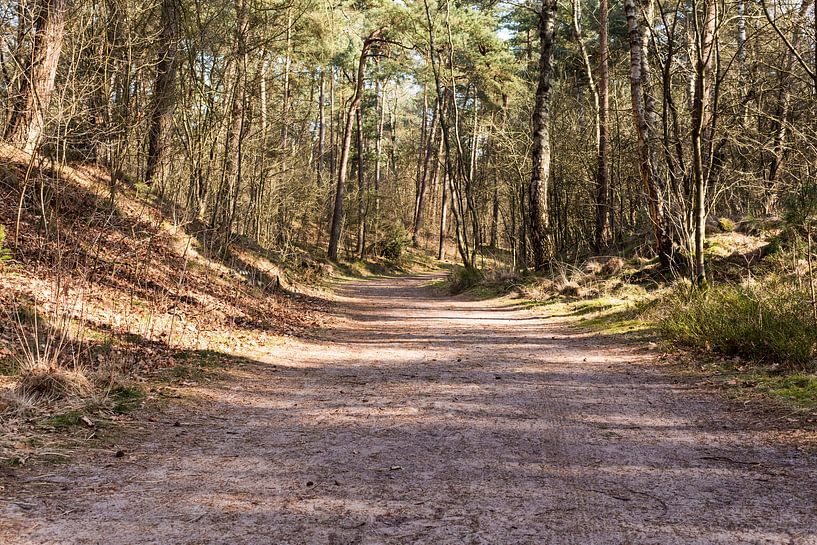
(419,418)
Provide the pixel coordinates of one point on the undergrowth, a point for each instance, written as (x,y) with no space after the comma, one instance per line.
(463,279)
(767,322)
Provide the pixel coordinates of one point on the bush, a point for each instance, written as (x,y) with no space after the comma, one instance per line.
(770,322)
(571,289)
(396,243)
(727,225)
(464,278)
(613,266)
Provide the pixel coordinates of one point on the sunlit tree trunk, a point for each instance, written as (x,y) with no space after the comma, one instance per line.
(643,117)
(336,228)
(540,152)
(27,121)
(424,177)
(164,93)
(701,117)
(603,208)
(361,187)
(224,207)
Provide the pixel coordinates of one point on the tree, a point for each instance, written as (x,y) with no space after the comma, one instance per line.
(705,50)
(27,122)
(340,189)
(644,120)
(164,93)
(540,151)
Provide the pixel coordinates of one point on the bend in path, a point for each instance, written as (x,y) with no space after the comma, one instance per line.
(424,419)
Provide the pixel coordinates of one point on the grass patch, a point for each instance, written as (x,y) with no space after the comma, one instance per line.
(798,390)
(619,322)
(9,367)
(463,279)
(126,399)
(184,372)
(767,323)
(196,365)
(65,421)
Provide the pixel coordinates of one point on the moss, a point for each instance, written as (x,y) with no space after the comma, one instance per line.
(727,225)
(798,390)
(67,420)
(126,399)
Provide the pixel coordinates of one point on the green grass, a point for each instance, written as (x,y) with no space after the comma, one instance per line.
(196,365)
(768,323)
(5,253)
(619,322)
(64,421)
(9,367)
(605,315)
(798,390)
(464,279)
(126,399)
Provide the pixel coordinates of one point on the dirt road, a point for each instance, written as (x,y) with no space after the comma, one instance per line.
(422,419)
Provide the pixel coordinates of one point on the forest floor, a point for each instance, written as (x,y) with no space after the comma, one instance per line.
(413,417)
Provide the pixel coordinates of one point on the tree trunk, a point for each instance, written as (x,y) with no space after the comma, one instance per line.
(340,190)
(701,116)
(164,93)
(443,217)
(642,117)
(540,153)
(27,121)
(361,187)
(603,209)
(224,207)
(422,152)
(378,162)
(321,130)
(422,189)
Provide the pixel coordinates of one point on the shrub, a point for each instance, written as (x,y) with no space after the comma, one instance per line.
(770,322)
(726,225)
(396,243)
(464,278)
(593,268)
(571,289)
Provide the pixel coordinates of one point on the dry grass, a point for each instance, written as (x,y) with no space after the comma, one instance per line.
(571,289)
(613,266)
(51,384)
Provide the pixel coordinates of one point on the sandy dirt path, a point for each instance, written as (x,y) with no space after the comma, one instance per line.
(418,418)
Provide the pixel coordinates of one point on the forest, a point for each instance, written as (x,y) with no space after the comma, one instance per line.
(548,132)
(411,234)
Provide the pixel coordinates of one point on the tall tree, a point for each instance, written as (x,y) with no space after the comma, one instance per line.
(705,51)
(336,228)
(26,123)
(164,92)
(224,210)
(540,152)
(603,208)
(643,117)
